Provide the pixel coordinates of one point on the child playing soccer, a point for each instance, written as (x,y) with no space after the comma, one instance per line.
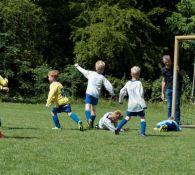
(57,96)
(95,82)
(168,125)
(109,120)
(3,87)
(136,103)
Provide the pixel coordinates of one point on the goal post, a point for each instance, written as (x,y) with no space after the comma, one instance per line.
(175,74)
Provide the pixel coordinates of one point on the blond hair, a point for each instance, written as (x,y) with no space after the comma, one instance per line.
(117,112)
(54,73)
(100,66)
(135,71)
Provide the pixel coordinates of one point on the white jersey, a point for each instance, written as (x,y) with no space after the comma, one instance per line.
(105,123)
(134,90)
(95,82)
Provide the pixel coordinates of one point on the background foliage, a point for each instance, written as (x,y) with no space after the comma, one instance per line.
(39,35)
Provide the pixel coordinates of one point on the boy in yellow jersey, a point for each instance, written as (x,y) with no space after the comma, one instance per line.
(57,96)
(3,87)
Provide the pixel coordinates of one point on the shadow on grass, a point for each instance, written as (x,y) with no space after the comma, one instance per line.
(160,135)
(13,128)
(20,138)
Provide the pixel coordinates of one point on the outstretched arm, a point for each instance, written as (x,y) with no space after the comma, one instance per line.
(123,93)
(83,71)
(109,87)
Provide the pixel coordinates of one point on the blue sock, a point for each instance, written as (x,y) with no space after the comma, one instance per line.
(143,127)
(74,117)
(121,124)
(87,115)
(93,119)
(56,121)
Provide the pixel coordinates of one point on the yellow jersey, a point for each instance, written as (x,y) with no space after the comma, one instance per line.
(56,95)
(3,82)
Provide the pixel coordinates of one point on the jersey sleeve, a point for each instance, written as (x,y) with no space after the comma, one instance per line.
(83,71)
(108,86)
(109,125)
(164,72)
(141,90)
(51,94)
(123,93)
(3,82)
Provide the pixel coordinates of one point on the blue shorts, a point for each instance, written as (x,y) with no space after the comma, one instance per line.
(89,99)
(63,108)
(140,113)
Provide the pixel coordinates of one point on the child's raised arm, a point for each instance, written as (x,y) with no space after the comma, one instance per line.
(108,87)
(123,93)
(83,71)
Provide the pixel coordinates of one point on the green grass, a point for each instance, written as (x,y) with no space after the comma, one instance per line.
(31,147)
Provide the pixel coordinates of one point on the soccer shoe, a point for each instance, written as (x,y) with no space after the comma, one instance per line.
(56,128)
(1,135)
(143,135)
(80,125)
(163,128)
(97,127)
(117,131)
(89,124)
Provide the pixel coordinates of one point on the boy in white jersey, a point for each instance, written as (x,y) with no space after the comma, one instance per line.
(110,120)
(136,103)
(95,82)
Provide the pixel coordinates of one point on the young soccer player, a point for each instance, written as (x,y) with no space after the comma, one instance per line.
(95,82)
(168,125)
(3,87)
(136,104)
(110,120)
(57,96)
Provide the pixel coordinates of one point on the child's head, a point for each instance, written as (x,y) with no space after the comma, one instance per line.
(167,61)
(135,72)
(100,66)
(116,115)
(53,75)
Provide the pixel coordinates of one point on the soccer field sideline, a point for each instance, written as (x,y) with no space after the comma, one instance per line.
(31,147)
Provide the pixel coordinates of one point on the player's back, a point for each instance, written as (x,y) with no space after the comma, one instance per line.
(135,92)
(59,95)
(95,82)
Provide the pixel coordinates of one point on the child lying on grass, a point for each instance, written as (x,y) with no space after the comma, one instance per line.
(110,121)
(167,125)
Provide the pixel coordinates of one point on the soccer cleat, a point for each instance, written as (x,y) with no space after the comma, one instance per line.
(143,135)
(1,135)
(163,128)
(56,128)
(89,124)
(97,127)
(117,131)
(80,125)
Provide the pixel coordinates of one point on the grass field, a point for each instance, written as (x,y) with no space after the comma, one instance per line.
(32,148)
